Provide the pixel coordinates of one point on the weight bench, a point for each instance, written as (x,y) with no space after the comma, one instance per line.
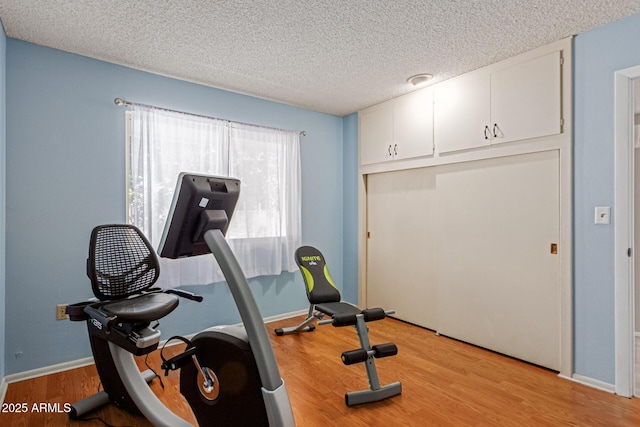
(325,300)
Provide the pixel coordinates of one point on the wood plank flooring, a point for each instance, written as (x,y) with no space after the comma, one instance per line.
(445,383)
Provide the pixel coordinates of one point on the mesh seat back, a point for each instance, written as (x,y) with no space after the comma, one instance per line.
(121,261)
(320,286)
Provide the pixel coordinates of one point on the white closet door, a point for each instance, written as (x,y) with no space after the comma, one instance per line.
(499,283)
(401,248)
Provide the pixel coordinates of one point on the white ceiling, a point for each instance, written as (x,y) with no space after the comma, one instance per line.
(331,56)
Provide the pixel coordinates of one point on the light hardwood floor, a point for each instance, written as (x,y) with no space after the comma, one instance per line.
(445,383)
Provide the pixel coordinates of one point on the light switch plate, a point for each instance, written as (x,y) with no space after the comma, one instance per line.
(603,215)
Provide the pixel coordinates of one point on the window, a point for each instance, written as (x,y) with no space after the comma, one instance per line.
(265,229)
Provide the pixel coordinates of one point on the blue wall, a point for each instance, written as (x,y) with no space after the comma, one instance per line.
(598,54)
(3,177)
(65,147)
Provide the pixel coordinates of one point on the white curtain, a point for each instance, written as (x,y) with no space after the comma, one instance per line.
(265,229)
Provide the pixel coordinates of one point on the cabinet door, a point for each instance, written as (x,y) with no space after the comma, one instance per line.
(413,125)
(401,248)
(376,134)
(461,113)
(498,277)
(526,100)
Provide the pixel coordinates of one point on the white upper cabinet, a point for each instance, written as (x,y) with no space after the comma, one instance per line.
(401,128)
(413,125)
(461,113)
(376,134)
(518,102)
(526,100)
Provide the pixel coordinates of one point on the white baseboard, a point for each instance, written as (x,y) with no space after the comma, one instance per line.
(600,385)
(48,370)
(284,316)
(3,389)
(79,363)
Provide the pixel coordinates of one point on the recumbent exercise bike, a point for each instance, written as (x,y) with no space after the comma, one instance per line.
(228,375)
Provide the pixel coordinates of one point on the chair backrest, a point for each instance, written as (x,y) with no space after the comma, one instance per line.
(320,287)
(121,261)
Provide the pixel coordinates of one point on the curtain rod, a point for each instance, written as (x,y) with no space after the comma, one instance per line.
(121,102)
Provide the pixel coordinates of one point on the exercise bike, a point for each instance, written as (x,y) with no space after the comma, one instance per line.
(228,375)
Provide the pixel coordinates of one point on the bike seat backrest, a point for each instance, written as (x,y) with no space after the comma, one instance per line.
(121,262)
(319,285)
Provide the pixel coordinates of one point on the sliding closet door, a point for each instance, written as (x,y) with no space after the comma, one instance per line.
(401,245)
(498,276)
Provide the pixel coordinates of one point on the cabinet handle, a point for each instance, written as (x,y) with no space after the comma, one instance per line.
(389,151)
(395,150)
(495,130)
(486,128)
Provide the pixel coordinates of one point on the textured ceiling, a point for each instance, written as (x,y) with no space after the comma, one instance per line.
(332,56)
